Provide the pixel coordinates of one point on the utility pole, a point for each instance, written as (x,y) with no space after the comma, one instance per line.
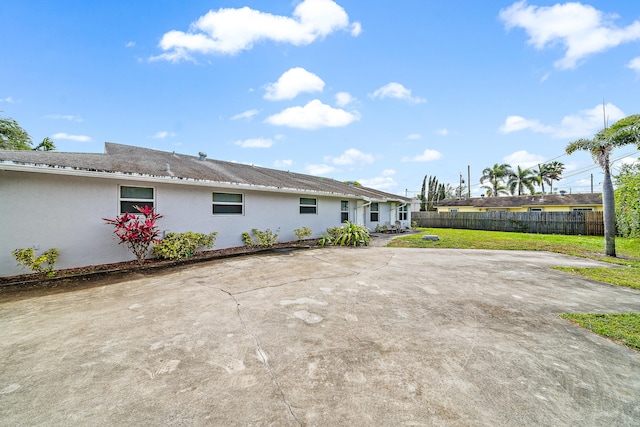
(460,187)
(468,181)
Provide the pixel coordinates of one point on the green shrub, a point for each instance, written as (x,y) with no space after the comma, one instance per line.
(42,264)
(263,239)
(183,245)
(303,232)
(349,234)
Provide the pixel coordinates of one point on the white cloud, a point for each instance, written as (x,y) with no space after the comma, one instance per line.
(581,29)
(523,159)
(68,117)
(398,91)
(7,99)
(293,82)
(350,157)
(634,64)
(413,136)
(343,99)
(383,182)
(356,29)
(162,134)
(583,124)
(426,156)
(314,115)
(79,138)
(517,123)
(442,132)
(130,44)
(283,163)
(319,169)
(229,31)
(255,143)
(245,115)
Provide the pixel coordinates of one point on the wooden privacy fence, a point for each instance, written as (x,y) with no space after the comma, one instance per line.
(576,222)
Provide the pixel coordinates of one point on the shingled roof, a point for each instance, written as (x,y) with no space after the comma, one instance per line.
(585,199)
(137,161)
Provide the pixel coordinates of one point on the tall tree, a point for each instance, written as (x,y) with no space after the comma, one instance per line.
(423,195)
(623,132)
(496,177)
(553,172)
(14,137)
(521,180)
(627,196)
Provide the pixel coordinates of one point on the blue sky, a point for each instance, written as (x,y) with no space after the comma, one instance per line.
(380,92)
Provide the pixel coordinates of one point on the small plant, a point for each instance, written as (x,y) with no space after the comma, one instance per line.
(263,239)
(381,228)
(301,233)
(325,240)
(349,234)
(182,245)
(42,264)
(137,232)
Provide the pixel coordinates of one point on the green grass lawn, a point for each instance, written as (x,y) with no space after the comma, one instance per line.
(622,328)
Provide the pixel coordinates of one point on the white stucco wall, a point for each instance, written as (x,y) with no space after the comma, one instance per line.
(46,210)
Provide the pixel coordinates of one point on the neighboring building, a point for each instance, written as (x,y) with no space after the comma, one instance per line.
(531,203)
(55,199)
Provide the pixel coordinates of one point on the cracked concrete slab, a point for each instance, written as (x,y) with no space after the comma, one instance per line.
(332,336)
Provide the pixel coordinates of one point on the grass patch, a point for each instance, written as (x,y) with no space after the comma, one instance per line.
(629,277)
(592,247)
(621,328)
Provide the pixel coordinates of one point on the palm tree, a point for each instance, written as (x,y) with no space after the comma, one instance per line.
(520,180)
(553,172)
(623,132)
(495,176)
(541,176)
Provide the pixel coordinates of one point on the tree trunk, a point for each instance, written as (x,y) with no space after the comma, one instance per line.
(609,206)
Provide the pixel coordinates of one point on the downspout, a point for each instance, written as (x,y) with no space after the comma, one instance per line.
(363,213)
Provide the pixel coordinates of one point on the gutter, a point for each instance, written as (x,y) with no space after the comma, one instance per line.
(104,174)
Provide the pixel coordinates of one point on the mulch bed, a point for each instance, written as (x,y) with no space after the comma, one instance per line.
(83,275)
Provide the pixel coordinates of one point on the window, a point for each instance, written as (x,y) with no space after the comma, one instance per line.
(453,210)
(374,212)
(344,211)
(535,209)
(581,209)
(227,204)
(308,205)
(402,213)
(135,196)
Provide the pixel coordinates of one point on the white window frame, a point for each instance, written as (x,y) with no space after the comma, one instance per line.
(376,212)
(219,203)
(312,208)
(582,209)
(344,211)
(135,201)
(403,213)
(453,210)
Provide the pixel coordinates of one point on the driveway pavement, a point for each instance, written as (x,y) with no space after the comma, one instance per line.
(323,337)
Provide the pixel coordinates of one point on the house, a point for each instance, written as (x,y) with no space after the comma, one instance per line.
(56,199)
(531,203)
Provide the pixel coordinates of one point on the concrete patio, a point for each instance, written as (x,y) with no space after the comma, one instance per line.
(322,337)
